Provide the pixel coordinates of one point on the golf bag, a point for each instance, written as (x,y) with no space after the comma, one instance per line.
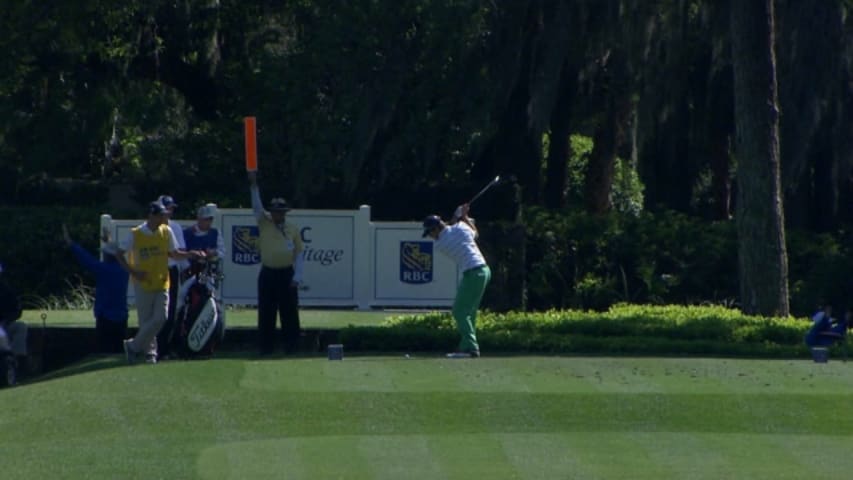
(199,324)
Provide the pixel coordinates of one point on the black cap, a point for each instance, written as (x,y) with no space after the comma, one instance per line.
(167,201)
(279,205)
(156,208)
(430,222)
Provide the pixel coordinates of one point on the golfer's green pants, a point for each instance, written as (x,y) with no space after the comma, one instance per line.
(468,297)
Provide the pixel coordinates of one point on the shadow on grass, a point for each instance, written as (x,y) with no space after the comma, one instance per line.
(98,362)
(88,364)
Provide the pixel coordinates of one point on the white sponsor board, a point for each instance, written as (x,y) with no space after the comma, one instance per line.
(349,260)
(329,254)
(408,269)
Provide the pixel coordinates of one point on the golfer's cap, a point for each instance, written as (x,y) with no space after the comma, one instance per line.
(207,211)
(110,248)
(167,201)
(156,208)
(278,205)
(430,222)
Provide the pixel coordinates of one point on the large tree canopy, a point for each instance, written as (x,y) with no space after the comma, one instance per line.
(355,99)
(590,105)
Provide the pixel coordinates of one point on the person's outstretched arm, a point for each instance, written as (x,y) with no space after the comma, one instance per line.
(257,205)
(86,259)
(462,215)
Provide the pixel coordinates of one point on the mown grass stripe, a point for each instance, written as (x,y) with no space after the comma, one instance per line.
(519,417)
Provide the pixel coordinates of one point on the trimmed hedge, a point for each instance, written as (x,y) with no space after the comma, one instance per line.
(621,330)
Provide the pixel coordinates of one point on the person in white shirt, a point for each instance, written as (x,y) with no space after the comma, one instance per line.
(458,240)
(175,268)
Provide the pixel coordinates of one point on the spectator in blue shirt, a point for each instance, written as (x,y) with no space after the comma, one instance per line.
(826,330)
(111,282)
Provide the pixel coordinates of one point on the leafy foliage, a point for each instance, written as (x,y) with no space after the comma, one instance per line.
(370,102)
(575,260)
(37,262)
(583,261)
(622,329)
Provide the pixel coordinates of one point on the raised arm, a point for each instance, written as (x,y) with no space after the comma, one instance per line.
(85,259)
(257,205)
(461,215)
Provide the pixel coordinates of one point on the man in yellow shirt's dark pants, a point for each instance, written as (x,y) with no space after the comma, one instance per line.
(280,246)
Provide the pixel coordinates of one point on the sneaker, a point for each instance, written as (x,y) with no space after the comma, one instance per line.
(128,352)
(152,359)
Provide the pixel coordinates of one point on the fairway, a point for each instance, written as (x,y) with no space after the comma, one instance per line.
(426,417)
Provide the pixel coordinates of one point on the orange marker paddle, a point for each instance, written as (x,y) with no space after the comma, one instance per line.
(251,145)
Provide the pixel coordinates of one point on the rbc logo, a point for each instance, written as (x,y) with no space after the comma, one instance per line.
(244,248)
(415,262)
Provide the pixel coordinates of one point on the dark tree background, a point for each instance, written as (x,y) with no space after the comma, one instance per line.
(591,105)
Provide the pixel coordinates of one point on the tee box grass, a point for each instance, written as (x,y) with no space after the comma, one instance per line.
(426,417)
(240,317)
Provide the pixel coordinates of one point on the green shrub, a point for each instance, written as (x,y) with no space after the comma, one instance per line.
(623,329)
(580,261)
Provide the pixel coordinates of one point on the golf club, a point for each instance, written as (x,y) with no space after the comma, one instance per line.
(481,192)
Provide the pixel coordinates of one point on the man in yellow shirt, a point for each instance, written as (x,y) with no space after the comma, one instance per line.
(280,246)
(148,248)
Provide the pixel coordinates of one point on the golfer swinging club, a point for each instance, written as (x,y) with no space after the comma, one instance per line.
(457,240)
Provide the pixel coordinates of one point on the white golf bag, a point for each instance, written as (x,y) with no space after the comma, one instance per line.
(199,321)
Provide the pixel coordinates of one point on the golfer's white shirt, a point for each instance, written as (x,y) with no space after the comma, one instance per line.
(458,242)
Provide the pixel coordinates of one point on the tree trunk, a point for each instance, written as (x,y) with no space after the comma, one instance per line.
(559,149)
(600,169)
(762,258)
(720,122)
(607,140)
